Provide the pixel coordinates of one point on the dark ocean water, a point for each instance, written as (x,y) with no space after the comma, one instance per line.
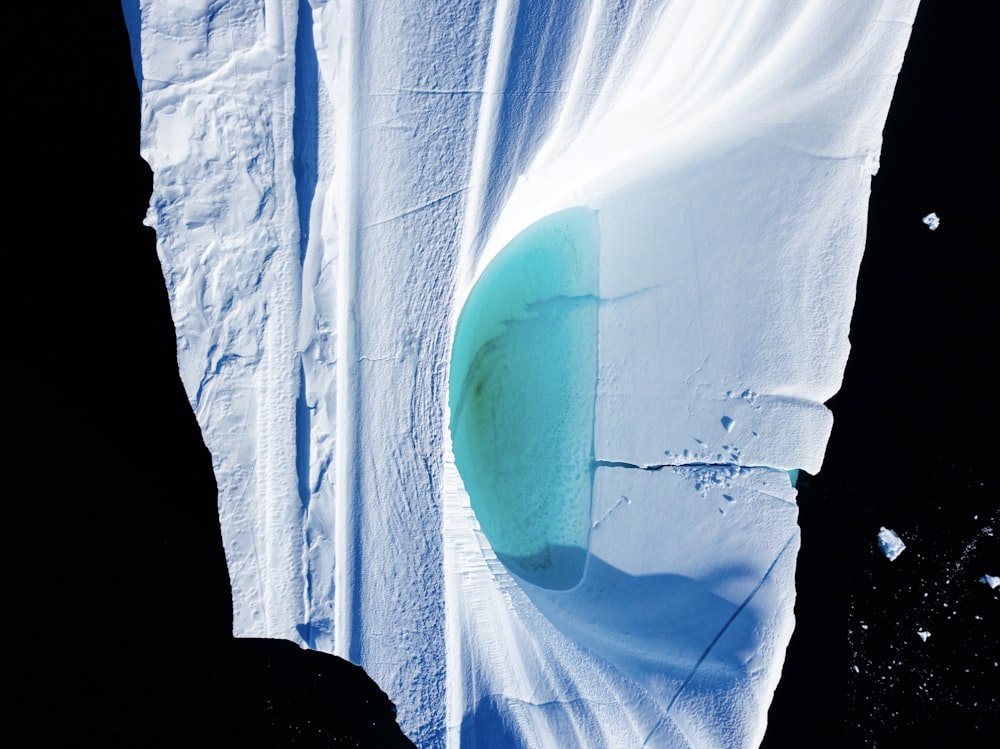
(119,631)
(911,447)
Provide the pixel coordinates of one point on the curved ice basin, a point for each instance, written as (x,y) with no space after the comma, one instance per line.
(672,572)
(522,389)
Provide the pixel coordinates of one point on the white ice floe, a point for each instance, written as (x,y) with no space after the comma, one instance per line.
(331,179)
(932,221)
(992,580)
(890,543)
(923,634)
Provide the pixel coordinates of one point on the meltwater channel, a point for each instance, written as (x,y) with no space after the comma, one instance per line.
(522,388)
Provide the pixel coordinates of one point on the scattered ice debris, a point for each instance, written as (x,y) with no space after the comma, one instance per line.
(932,221)
(923,634)
(992,580)
(890,544)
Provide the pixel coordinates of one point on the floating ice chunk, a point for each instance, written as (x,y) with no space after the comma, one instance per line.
(932,221)
(992,580)
(890,544)
(923,634)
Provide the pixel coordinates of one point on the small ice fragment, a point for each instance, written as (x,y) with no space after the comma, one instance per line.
(932,221)
(727,423)
(992,580)
(890,544)
(923,634)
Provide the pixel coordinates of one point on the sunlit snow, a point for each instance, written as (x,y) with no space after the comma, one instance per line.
(509,326)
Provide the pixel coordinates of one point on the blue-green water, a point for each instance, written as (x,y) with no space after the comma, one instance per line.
(522,388)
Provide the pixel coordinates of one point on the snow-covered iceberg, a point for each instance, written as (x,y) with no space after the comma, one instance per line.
(637,225)
(889,543)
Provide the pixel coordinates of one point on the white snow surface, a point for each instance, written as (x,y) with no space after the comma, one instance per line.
(331,178)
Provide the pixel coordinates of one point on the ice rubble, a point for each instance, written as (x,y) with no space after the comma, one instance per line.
(330,180)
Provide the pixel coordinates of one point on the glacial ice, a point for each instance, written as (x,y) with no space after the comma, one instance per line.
(890,543)
(522,387)
(932,221)
(334,183)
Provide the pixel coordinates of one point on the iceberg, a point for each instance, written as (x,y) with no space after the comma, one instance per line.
(508,326)
(890,543)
